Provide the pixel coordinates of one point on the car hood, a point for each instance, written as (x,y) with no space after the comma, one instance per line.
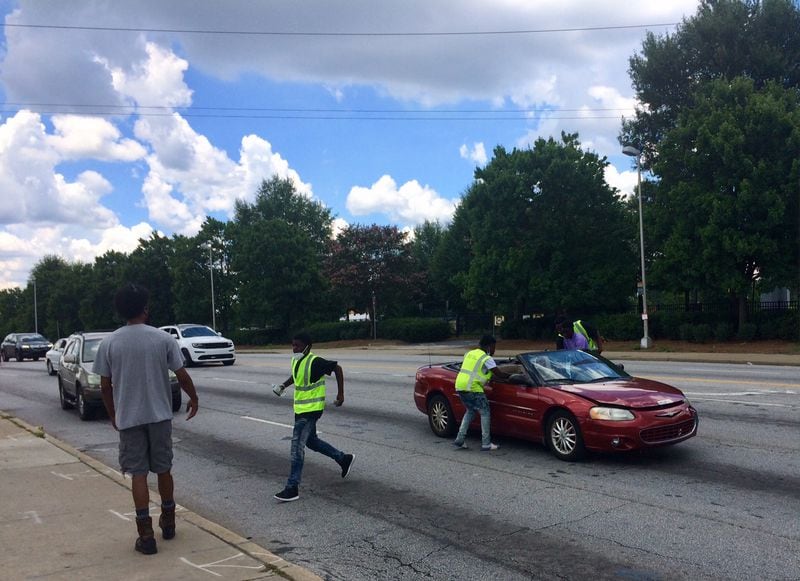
(633,393)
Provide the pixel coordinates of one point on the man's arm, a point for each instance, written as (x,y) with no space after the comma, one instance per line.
(187,385)
(107,393)
(340,385)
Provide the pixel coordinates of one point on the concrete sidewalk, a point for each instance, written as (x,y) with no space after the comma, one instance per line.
(64,515)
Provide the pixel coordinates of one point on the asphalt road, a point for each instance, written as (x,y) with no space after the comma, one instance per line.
(724,505)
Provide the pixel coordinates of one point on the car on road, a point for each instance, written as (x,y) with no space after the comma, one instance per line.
(571,401)
(79,387)
(201,344)
(53,356)
(24,346)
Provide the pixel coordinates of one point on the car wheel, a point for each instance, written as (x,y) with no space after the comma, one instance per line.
(176,402)
(228,363)
(440,417)
(187,359)
(564,437)
(65,405)
(35,358)
(20,357)
(50,370)
(85,411)
(5,356)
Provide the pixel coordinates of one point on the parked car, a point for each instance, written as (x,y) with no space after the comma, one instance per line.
(24,346)
(79,387)
(53,357)
(201,344)
(571,401)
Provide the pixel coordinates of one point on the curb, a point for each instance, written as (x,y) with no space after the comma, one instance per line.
(271,562)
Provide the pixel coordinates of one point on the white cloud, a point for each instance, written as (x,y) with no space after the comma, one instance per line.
(624,181)
(410,204)
(476,154)
(79,137)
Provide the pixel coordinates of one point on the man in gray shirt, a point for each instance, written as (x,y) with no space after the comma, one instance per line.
(133,363)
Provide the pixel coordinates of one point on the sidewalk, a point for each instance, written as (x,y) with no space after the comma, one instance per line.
(65,516)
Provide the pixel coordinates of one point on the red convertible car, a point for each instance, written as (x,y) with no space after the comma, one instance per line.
(571,401)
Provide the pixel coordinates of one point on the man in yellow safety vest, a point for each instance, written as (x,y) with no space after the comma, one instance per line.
(308,377)
(476,371)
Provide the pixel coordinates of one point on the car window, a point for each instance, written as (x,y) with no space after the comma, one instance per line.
(90,349)
(198,332)
(70,347)
(33,339)
(571,366)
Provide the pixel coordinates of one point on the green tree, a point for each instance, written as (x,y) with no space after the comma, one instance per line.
(374,260)
(545,232)
(728,191)
(97,297)
(58,288)
(724,39)
(148,265)
(425,243)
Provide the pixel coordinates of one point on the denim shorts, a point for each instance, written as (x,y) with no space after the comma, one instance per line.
(146,448)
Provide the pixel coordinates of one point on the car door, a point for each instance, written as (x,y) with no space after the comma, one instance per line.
(516,409)
(68,370)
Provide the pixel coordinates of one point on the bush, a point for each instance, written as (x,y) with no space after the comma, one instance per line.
(620,327)
(747,332)
(338,331)
(685,332)
(529,329)
(701,333)
(414,330)
(258,336)
(723,332)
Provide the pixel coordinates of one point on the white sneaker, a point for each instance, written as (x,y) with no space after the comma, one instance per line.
(490,448)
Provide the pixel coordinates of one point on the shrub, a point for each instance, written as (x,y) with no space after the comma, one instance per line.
(258,336)
(620,327)
(701,333)
(414,330)
(747,332)
(723,332)
(338,331)
(685,332)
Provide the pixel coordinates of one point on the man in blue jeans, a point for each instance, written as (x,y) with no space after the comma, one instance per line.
(476,370)
(308,377)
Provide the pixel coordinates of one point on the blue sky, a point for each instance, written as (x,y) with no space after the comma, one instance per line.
(148,117)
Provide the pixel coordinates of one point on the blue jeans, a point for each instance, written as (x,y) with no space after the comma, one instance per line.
(305,434)
(475,402)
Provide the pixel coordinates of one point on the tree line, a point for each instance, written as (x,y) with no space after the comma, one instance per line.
(538,230)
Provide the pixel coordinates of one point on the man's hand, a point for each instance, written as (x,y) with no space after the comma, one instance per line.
(191,409)
(338,401)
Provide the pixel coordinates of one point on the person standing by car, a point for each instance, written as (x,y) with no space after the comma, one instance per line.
(578,335)
(308,377)
(476,371)
(133,363)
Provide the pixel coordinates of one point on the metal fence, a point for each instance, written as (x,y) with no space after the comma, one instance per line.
(723,307)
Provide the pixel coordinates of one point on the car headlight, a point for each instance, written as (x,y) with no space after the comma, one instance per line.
(26,346)
(93,380)
(611,414)
(197,345)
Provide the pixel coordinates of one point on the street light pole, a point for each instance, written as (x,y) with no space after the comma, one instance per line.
(645,343)
(35,308)
(211,275)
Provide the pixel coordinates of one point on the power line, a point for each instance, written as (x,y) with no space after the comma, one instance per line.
(337,34)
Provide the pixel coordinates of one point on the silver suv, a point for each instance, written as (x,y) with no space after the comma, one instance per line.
(79,387)
(201,344)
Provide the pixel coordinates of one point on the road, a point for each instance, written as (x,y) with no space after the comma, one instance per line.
(723,505)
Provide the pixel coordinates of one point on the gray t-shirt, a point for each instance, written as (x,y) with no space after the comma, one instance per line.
(137,359)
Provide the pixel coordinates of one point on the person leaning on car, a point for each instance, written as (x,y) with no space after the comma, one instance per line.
(133,364)
(476,370)
(578,335)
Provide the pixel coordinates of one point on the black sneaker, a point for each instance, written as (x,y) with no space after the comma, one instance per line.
(288,494)
(346,464)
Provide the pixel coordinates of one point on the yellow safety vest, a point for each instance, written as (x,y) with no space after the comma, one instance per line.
(578,328)
(308,396)
(472,377)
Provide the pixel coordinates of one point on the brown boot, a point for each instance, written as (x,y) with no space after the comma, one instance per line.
(167,522)
(146,543)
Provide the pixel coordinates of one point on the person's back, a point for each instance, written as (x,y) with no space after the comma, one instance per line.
(139,358)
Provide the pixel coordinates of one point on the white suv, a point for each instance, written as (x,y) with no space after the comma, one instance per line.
(201,344)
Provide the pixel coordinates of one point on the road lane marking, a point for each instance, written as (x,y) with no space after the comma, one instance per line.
(269,422)
(751,403)
(765,392)
(229,380)
(678,378)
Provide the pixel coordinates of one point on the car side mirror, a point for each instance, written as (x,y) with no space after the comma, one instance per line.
(70,358)
(219,333)
(519,379)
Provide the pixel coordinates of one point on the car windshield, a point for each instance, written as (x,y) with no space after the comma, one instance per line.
(571,367)
(33,339)
(198,331)
(90,349)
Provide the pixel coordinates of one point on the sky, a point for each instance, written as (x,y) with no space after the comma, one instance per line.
(120,119)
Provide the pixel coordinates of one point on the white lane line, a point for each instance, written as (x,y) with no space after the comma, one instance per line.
(683,379)
(268,422)
(764,392)
(750,403)
(227,379)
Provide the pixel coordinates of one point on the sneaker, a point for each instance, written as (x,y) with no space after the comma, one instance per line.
(461,446)
(490,448)
(346,464)
(288,494)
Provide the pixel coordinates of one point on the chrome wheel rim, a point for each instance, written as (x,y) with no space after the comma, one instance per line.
(81,403)
(439,416)
(563,436)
